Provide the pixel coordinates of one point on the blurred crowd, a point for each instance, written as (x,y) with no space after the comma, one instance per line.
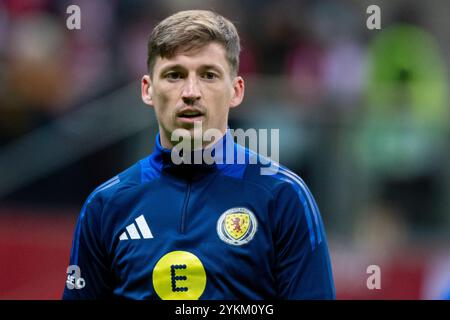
(365,112)
(48,69)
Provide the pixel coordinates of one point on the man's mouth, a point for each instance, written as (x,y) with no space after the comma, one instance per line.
(190,115)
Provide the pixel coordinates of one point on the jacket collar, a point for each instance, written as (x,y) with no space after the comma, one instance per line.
(222,153)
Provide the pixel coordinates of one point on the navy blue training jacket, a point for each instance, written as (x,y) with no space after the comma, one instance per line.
(200,231)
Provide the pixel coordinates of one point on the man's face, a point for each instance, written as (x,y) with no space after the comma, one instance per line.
(192,86)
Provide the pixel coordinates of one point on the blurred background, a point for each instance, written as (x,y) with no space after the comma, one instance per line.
(363,118)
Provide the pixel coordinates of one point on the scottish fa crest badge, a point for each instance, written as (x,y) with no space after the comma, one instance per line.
(237,226)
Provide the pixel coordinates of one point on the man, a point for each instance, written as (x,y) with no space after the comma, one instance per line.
(221,230)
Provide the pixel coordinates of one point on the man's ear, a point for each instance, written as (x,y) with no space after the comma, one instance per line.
(147,90)
(238,92)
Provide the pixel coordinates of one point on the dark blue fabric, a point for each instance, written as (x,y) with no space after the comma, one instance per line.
(288,257)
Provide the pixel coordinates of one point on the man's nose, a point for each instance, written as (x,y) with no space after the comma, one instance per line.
(191,91)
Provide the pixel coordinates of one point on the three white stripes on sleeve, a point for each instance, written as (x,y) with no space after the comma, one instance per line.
(133,231)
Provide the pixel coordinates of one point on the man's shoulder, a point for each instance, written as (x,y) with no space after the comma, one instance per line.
(125,180)
(271,175)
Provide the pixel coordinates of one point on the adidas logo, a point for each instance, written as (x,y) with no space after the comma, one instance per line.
(133,231)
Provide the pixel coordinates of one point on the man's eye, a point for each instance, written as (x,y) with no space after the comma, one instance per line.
(173,76)
(210,75)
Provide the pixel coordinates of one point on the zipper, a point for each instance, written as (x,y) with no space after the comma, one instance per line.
(185,205)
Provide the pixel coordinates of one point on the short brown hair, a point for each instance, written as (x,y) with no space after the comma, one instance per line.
(190,29)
